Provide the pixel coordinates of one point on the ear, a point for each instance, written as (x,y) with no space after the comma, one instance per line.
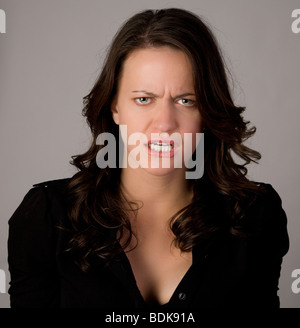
(114,111)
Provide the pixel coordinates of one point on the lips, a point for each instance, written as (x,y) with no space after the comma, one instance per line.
(161,148)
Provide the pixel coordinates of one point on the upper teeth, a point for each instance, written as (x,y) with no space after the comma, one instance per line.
(160,146)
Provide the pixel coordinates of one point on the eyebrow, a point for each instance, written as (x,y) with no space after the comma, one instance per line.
(151,94)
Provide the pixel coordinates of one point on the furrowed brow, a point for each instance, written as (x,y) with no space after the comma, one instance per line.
(150,94)
(186,95)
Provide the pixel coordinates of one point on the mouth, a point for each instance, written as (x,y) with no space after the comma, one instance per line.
(161,146)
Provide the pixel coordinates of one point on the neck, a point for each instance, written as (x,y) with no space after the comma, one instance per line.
(161,196)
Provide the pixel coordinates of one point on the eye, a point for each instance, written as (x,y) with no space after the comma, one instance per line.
(143,100)
(186,102)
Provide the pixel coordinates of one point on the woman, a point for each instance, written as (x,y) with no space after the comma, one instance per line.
(144,236)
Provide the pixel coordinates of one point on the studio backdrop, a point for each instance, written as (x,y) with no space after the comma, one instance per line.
(51,54)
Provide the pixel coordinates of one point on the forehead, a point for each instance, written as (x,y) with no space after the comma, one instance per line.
(157,65)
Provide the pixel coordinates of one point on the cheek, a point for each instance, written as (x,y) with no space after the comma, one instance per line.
(130,123)
(192,125)
(124,115)
(196,128)
(190,128)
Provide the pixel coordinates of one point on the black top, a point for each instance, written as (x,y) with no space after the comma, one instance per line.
(227,271)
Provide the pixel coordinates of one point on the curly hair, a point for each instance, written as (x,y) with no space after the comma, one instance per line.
(96,204)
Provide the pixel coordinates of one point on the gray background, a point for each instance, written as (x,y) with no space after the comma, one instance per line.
(52,54)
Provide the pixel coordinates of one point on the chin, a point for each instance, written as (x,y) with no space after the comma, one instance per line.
(161,171)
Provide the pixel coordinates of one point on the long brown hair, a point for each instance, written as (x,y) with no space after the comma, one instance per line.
(96,203)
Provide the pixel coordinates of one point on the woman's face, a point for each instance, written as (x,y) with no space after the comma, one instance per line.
(156,98)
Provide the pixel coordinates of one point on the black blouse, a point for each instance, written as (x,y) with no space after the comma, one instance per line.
(226,271)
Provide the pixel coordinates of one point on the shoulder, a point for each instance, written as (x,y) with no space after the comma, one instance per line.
(33,227)
(267,202)
(266,219)
(39,201)
(54,186)
(34,240)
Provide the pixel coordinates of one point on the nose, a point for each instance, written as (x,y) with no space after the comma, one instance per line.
(165,117)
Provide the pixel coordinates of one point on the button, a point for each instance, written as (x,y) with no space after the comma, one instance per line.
(182,296)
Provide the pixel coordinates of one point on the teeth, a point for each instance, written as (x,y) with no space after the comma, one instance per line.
(163,147)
